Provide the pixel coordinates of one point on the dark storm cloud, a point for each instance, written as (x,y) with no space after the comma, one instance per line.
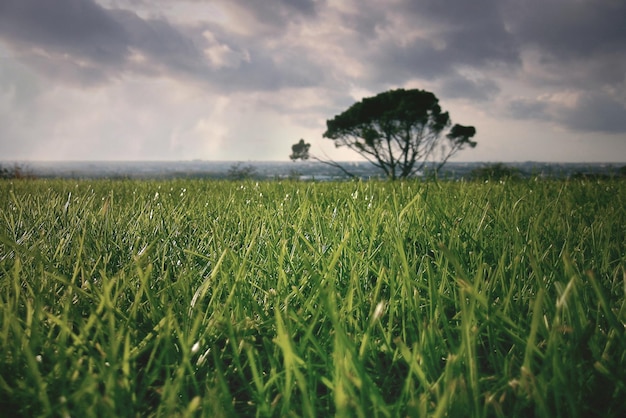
(165,47)
(590,112)
(595,112)
(571,29)
(580,45)
(263,73)
(65,39)
(473,32)
(75,27)
(458,86)
(436,38)
(278,12)
(527,109)
(580,48)
(407,41)
(269,16)
(366,20)
(578,42)
(81,42)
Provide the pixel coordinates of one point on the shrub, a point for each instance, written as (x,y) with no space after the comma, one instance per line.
(497,171)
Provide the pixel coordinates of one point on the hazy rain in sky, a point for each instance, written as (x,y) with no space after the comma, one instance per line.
(541,80)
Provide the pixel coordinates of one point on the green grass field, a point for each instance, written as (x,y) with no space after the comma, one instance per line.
(372,299)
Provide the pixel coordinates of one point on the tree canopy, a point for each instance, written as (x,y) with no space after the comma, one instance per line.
(300,151)
(399,131)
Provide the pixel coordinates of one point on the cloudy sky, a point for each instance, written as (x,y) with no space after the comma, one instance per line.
(541,80)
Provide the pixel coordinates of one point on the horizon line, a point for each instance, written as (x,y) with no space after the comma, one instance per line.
(199,160)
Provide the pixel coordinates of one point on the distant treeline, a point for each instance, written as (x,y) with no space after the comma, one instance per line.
(298,171)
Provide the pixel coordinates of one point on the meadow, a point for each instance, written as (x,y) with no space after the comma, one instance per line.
(195,298)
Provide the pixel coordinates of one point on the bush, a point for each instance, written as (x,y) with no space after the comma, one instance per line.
(15,172)
(497,171)
(239,172)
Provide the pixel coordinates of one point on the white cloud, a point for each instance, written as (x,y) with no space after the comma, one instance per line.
(223,56)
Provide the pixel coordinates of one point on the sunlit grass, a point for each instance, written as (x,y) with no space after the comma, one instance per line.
(192,298)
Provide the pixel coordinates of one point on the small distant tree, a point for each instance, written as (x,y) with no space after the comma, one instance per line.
(15,172)
(239,172)
(4,173)
(495,172)
(300,151)
(399,131)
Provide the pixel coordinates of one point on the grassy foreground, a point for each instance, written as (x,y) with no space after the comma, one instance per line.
(192,298)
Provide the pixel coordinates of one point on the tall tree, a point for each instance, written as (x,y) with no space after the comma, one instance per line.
(399,131)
